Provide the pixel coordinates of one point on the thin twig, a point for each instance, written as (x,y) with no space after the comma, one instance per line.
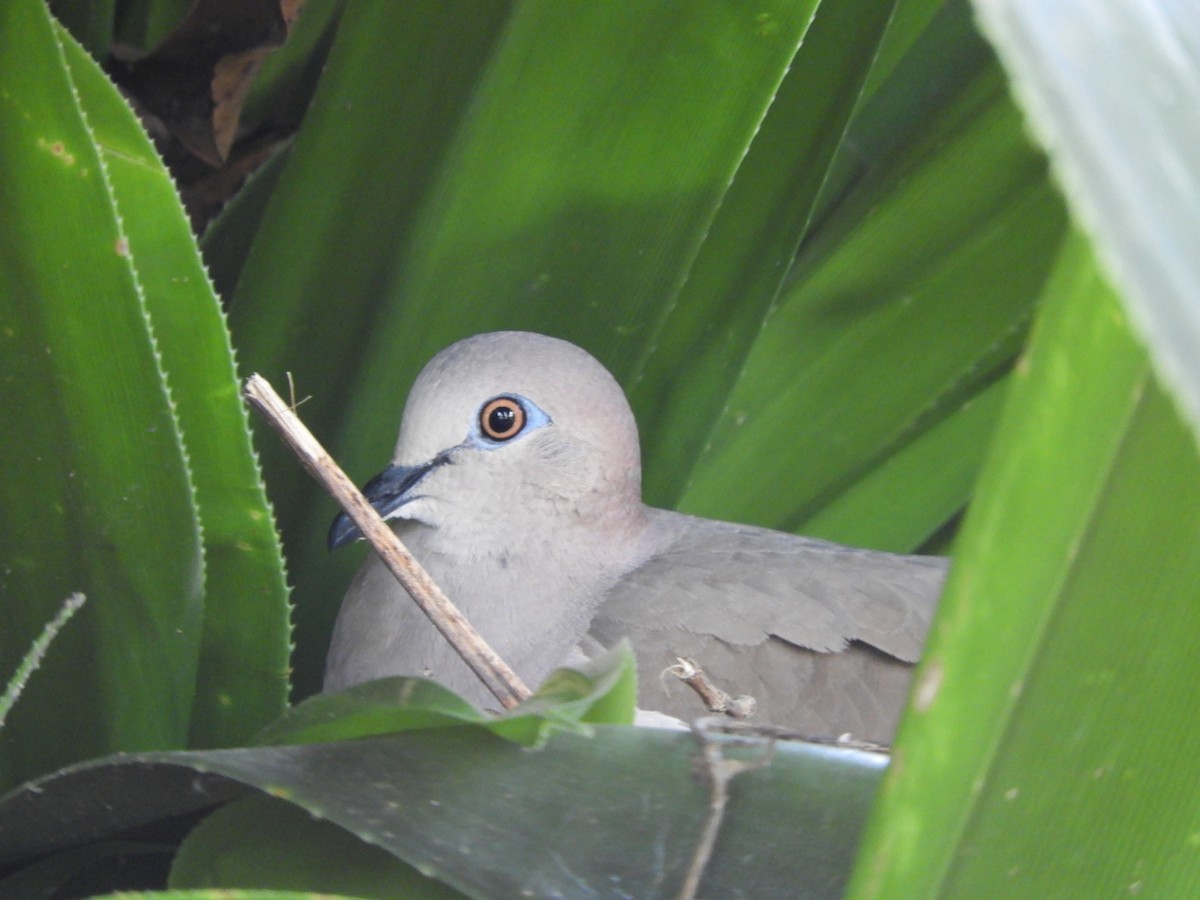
(720,772)
(494,672)
(294,404)
(715,699)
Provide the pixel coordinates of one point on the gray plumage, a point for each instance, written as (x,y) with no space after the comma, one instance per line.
(543,542)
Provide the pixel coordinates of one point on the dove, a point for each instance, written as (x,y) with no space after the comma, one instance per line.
(516,482)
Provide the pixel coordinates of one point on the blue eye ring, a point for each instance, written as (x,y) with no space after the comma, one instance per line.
(502,419)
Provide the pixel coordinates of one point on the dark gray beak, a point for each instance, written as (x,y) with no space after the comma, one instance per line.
(387,492)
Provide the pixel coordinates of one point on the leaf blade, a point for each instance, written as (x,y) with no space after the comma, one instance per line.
(1053,547)
(242,677)
(98,482)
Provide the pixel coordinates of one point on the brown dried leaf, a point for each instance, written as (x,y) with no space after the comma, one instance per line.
(196,80)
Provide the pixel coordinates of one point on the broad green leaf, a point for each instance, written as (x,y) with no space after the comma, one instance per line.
(618,812)
(133,467)
(598,691)
(261,841)
(708,329)
(381,706)
(1120,115)
(931,51)
(242,681)
(94,480)
(877,510)
(910,296)
(1051,748)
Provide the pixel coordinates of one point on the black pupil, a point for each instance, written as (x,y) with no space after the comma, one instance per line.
(502,419)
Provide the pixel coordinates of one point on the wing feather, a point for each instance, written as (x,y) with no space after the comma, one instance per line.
(820,634)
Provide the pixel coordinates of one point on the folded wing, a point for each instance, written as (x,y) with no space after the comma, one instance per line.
(822,636)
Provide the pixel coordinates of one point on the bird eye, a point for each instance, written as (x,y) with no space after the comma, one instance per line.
(501,419)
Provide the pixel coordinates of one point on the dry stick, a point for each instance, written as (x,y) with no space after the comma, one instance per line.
(689,672)
(720,772)
(483,660)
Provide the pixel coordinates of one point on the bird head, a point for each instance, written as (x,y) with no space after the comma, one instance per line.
(506,433)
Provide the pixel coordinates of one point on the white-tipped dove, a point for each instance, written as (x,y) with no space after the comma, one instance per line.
(517,483)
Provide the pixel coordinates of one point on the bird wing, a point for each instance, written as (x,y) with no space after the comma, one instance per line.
(743,584)
(751,605)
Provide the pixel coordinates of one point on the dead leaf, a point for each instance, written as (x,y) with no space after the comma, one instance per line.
(197,79)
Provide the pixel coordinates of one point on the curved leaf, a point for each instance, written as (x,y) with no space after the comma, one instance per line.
(1120,114)
(492,818)
(1052,744)
(95,482)
(242,680)
(601,691)
(270,843)
(133,465)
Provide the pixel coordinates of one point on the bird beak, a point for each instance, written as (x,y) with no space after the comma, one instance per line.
(388,492)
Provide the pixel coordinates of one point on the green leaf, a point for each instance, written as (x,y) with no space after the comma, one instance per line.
(95,483)
(748,249)
(1120,115)
(242,681)
(382,706)
(1053,750)
(602,691)
(261,841)
(877,510)
(1054,704)
(599,691)
(132,480)
(488,816)
(873,342)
